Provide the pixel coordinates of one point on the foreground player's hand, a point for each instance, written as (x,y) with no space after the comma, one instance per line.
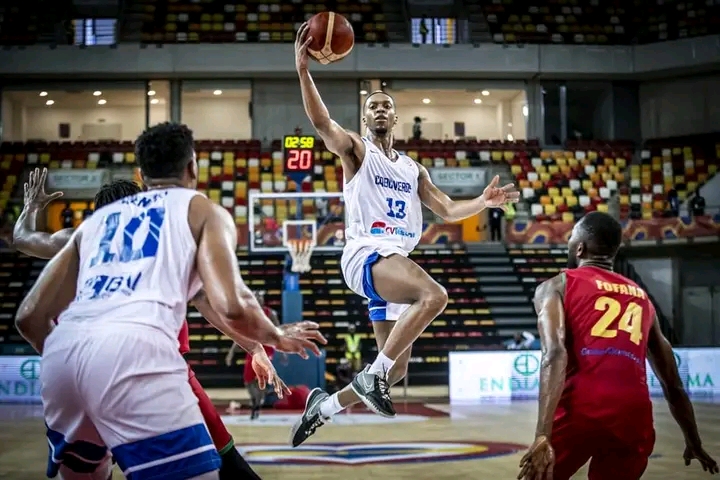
(266,374)
(706,461)
(538,462)
(298,338)
(498,197)
(301,45)
(35,189)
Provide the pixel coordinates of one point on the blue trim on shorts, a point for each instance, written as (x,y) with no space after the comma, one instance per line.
(376,305)
(185,453)
(79,456)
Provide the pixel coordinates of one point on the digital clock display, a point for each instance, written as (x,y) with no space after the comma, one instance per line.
(299,154)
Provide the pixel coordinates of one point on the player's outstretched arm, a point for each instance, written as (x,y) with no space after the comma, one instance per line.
(53,291)
(346,145)
(26,238)
(453,211)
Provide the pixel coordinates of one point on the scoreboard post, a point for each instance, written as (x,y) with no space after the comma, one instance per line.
(298,157)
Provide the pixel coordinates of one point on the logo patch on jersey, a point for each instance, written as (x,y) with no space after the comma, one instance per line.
(380,228)
(377,228)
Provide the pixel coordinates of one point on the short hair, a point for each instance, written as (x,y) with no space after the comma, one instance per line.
(601,233)
(375,92)
(164,150)
(114,191)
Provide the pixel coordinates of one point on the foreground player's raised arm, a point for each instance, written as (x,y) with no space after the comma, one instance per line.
(452,211)
(217,267)
(53,291)
(662,362)
(551,328)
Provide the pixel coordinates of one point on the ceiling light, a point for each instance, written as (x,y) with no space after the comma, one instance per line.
(485,93)
(363,92)
(509,124)
(151,93)
(426,101)
(525,110)
(97,93)
(217,92)
(102,101)
(43,94)
(477,101)
(154,101)
(49,102)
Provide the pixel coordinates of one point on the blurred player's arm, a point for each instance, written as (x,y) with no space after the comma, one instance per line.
(49,296)
(348,146)
(29,241)
(227,295)
(662,361)
(551,329)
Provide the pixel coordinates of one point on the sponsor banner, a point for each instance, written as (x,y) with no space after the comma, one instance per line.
(459,182)
(355,454)
(19,379)
(528,232)
(68,180)
(478,376)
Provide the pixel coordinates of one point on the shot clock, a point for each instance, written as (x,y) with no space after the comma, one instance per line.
(298,155)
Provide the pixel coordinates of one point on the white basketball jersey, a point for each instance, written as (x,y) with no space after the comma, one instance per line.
(137,262)
(382,203)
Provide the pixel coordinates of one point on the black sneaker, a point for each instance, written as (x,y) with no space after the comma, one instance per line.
(311,419)
(374,391)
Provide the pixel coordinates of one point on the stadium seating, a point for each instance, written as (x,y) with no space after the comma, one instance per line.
(17,274)
(268,21)
(12,162)
(18,22)
(602,22)
(674,20)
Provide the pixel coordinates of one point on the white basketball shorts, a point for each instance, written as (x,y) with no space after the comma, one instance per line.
(124,390)
(356,264)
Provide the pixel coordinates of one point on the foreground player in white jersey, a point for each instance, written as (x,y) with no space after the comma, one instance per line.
(383,193)
(111,372)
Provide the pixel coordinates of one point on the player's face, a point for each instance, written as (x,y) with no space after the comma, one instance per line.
(380,114)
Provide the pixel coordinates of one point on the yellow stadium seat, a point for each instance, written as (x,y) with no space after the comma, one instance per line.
(647,215)
(496,156)
(567,192)
(516,169)
(571,201)
(553,191)
(568,217)
(602,207)
(624,199)
(553,169)
(558,200)
(545,177)
(541,169)
(549,209)
(545,200)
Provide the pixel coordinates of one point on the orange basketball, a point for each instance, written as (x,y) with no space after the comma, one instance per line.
(333,37)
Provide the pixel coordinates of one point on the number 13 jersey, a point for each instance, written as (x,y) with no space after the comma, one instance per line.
(607,321)
(382,203)
(137,263)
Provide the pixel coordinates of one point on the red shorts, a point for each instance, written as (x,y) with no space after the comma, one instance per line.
(613,455)
(220,435)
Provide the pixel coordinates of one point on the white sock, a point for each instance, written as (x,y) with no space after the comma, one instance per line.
(381,365)
(330,406)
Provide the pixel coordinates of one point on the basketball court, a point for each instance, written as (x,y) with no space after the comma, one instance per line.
(431,441)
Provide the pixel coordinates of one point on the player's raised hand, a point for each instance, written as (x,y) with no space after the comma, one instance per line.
(267,375)
(539,461)
(706,461)
(301,45)
(298,338)
(35,190)
(499,197)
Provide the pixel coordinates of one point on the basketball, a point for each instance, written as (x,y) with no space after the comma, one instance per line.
(333,37)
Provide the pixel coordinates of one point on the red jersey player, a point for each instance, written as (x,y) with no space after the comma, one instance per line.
(596,329)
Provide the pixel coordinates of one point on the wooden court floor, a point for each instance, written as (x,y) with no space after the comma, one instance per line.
(468,442)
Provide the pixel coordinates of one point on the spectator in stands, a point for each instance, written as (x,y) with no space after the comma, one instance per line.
(673,202)
(697,205)
(495,219)
(417,128)
(352,347)
(424,30)
(520,341)
(67,216)
(87,211)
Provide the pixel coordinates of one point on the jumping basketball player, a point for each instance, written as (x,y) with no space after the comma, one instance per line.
(111,373)
(596,329)
(383,192)
(30,241)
